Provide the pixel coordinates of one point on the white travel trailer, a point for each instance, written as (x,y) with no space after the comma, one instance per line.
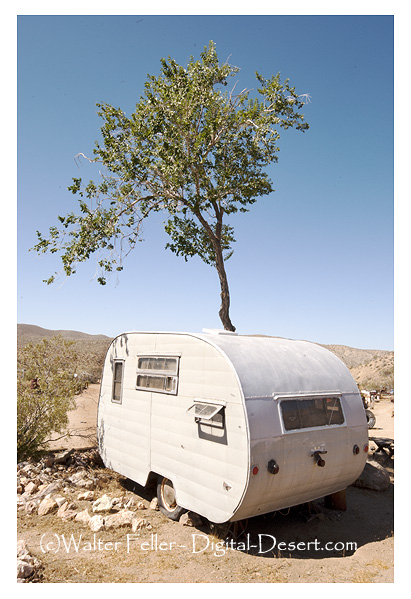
(232,426)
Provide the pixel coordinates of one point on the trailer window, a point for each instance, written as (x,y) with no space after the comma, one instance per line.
(117,381)
(311,412)
(158,363)
(208,413)
(158,373)
(157,383)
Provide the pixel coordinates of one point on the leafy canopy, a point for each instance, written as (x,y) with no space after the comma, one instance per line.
(192,150)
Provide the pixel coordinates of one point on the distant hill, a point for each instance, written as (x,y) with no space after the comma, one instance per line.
(28,333)
(353,357)
(91,349)
(371,368)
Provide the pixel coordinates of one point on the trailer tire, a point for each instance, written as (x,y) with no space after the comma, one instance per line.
(167,500)
(371,420)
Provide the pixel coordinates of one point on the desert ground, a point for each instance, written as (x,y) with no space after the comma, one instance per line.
(306,544)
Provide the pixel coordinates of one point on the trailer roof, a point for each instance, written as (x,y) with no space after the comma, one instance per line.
(270,366)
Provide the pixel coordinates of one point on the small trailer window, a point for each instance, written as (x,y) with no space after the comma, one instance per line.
(311,412)
(208,413)
(158,363)
(117,381)
(158,373)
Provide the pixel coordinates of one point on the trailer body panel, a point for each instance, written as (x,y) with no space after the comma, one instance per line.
(241,425)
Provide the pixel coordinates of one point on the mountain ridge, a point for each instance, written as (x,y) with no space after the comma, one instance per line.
(369,367)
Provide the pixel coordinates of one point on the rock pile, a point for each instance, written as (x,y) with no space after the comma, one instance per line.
(54,483)
(28,567)
(62,486)
(70,486)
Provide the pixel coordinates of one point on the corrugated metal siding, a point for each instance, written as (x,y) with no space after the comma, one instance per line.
(200,468)
(299,478)
(268,367)
(152,431)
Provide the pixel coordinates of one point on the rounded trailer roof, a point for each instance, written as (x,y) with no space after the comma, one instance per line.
(269,366)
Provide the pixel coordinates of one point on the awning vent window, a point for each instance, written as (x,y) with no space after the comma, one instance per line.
(207,413)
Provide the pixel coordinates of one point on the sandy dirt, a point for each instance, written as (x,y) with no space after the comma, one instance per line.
(306,544)
(82,422)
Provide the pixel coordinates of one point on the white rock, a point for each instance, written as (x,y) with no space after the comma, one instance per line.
(31,487)
(22,548)
(60,500)
(190,519)
(47,506)
(130,503)
(47,489)
(31,506)
(83,517)
(139,524)
(69,515)
(87,483)
(103,504)
(62,509)
(154,504)
(87,495)
(96,523)
(122,519)
(61,458)
(74,478)
(80,479)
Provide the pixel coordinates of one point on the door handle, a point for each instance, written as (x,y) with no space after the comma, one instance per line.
(317,457)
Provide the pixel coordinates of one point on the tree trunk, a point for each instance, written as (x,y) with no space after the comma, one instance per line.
(215,239)
(224,312)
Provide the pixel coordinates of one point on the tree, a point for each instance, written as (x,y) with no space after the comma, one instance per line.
(45,392)
(192,150)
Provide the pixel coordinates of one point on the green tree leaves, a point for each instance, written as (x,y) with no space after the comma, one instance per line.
(193,149)
(45,392)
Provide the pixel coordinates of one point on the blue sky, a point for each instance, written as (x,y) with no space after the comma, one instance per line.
(314,260)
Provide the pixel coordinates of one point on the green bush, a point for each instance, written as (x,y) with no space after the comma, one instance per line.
(46,386)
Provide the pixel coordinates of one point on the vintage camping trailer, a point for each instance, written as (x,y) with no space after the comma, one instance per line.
(233,426)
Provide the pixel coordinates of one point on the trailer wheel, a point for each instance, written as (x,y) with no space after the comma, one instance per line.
(371,420)
(167,499)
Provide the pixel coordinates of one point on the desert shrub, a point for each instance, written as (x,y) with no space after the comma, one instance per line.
(46,386)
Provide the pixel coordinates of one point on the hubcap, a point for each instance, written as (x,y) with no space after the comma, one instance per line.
(168,495)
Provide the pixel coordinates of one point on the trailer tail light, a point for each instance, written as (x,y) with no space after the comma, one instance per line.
(356,450)
(255,470)
(365,448)
(273,467)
